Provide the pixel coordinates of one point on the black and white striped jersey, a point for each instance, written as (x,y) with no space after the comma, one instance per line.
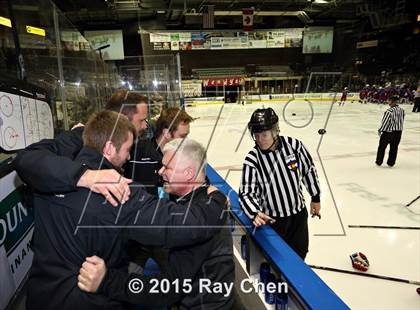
(393,120)
(272,181)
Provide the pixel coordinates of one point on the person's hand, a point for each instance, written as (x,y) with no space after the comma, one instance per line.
(315,209)
(77,126)
(211,189)
(91,274)
(262,219)
(108,183)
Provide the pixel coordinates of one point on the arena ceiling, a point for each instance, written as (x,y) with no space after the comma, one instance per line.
(183,14)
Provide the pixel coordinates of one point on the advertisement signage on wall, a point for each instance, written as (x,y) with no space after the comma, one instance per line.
(73,36)
(199,40)
(233,43)
(160,37)
(258,35)
(175,46)
(318,40)
(185,46)
(73,41)
(192,89)
(217,40)
(275,39)
(257,44)
(236,81)
(366,44)
(216,43)
(162,46)
(113,38)
(293,37)
(174,37)
(8,286)
(175,41)
(185,36)
(16,229)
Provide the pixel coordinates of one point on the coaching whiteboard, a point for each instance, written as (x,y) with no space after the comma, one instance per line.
(23,121)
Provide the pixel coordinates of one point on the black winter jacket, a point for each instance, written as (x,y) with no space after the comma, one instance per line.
(211,259)
(72,226)
(144,165)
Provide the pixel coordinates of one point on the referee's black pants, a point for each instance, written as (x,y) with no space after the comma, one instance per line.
(294,231)
(416,107)
(393,139)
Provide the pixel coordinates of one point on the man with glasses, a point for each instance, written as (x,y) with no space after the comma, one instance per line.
(72,226)
(183,172)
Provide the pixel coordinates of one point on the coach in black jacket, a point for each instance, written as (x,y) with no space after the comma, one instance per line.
(146,154)
(208,262)
(70,227)
(48,166)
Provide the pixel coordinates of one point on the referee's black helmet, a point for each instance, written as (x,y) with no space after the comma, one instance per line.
(262,120)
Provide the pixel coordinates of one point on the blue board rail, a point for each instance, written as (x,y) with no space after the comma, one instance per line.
(309,287)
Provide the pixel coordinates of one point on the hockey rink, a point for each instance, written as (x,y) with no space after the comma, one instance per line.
(354,190)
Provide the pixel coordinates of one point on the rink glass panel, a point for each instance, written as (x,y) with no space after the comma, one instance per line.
(157,77)
(62,62)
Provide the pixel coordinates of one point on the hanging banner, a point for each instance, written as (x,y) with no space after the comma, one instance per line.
(235,81)
(248,19)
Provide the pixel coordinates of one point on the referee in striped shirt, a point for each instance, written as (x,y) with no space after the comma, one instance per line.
(272,177)
(390,132)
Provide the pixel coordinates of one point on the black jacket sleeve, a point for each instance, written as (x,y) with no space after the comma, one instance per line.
(48,166)
(167,224)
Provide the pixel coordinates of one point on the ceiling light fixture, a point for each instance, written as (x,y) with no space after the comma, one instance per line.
(318,1)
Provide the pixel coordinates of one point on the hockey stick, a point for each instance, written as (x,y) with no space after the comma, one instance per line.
(409,204)
(366,275)
(384,227)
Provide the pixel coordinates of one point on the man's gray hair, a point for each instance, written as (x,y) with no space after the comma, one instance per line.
(188,149)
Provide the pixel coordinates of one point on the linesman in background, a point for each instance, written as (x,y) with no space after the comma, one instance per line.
(272,177)
(416,107)
(390,132)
